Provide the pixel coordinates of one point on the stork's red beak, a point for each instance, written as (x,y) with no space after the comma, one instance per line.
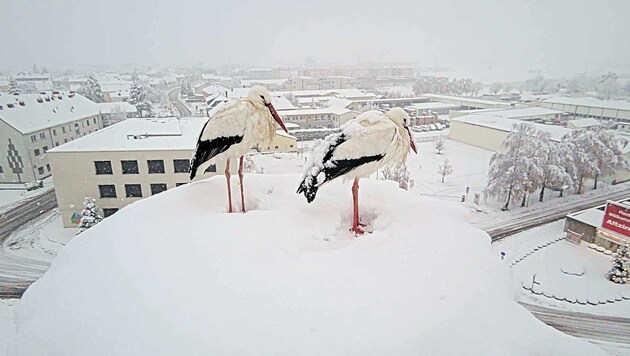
(276,117)
(411,143)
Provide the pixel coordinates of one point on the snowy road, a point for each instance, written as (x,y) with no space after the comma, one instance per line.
(183,110)
(588,326)
(501,226)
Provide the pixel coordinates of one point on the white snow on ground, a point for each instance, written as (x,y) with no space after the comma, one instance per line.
(7,326)
(12,194)
(548,263)
(174,274)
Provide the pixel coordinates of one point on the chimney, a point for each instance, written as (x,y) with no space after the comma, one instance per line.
(22,103)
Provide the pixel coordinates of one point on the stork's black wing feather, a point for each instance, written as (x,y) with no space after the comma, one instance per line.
(207,149)
(331,168)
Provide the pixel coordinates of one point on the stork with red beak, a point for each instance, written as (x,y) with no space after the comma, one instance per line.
(232,132)
(365,144)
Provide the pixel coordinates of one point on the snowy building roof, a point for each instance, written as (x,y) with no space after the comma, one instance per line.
(433,105)
(467,99)
(213,89)
(319,111)
(524,113)
(284,134)
(590,102)
(124,107)
(504,124)
(584,123)
(159,134)
(592,217)
(37,113)
(263,82)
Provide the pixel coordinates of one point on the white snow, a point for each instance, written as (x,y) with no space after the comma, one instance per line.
(505,124)
(13,194)
(590,102)
(173,274)
(7,326)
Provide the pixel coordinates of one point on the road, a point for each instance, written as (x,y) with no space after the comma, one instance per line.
(17,273)
(174,97)
(588,326)
(500,227)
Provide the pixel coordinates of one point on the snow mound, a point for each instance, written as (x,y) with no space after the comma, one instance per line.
(173,275)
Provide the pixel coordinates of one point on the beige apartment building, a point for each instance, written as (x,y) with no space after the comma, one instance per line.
(123,163)
(32,124)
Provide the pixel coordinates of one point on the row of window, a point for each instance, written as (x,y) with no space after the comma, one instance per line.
(40,170)
(42,135)
(131,166)
(131,190)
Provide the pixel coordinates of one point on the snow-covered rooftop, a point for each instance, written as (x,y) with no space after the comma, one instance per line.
(504,124)
(319,111)
(35,115)
(155,134)
(590,102)
(584,123)
(467,99)
(433,105)
(524,113)
(213,89)
(592,217)
(122,106)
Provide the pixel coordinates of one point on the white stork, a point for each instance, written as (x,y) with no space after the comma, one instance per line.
(365,144)
(233,130)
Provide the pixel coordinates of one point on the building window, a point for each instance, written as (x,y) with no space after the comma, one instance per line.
(56,144)
(276,147)
(181,165)
(211,169)
(42,136)
(65,140)
(87,122)
(129,167)
(45,149)
(40,170)
(36,152)
(48,167)
(103,167)
(107,190)
(94,120)
(157,188)
(2,170)
(54,132)
(291,146)
(155,166)
(63,129)
(176,184)
(133,190)
(109,211)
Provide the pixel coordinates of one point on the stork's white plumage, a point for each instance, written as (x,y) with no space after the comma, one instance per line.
(233,130)
(369,142)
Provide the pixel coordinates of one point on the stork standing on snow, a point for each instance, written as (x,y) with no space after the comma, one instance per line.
(365,144)
(233,130)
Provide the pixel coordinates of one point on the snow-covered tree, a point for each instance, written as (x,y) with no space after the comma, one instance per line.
(440,145)
(475,88)
(14,87)
(620,271)
(139,97)
(556,162)
(44,70)
(35,69)
(608,86)
(445,169)
(249,166)
(92,90)
(496,87)
(515,171)
(399,174)
(368,107)
(594,154)
(89,215)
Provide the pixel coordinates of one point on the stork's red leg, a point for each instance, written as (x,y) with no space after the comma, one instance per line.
(356,228)
(229,189)
(240,177)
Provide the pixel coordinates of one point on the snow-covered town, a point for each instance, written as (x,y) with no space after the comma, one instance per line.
(288,179)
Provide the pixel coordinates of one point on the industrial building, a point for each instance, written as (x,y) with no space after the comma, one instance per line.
(615,111)
(607,225)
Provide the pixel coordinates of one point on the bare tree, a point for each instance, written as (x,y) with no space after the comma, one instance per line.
(445,169)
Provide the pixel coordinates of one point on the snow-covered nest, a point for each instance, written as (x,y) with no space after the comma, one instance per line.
(174,275)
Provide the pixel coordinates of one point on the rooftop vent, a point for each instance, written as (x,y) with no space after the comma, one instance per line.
(47,99)
(22,103)
(10,105)
(71,95)
(55,92)
(42,93)
(1,108)
(16,94)
(59,97)
(40,100)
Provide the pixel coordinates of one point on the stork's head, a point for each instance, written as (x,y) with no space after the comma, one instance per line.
(259,94)
(401,119)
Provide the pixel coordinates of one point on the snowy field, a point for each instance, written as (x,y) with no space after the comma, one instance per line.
(7,326)
(575,274)
(287,275)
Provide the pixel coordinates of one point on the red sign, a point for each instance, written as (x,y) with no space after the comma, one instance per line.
(617,219)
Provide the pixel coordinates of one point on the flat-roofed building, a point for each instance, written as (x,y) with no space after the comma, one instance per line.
(126,162)
(616,111)
(330,117)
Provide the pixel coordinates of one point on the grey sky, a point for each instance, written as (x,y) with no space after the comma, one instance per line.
(557,36)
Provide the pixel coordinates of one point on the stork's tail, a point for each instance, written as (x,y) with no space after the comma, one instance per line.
(308,189)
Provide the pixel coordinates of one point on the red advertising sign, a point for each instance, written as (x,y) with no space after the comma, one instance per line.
(617,218)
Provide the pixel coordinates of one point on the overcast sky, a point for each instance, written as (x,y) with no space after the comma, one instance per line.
(556,36)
